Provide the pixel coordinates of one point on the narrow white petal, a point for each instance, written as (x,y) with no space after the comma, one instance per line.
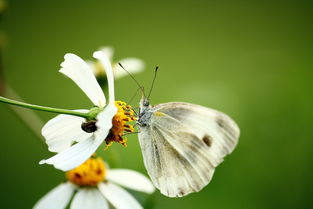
(132,65)
(58,198)
(104,60)
(61,131)
(77,69)
(76,154)
(118,197)
(89,199)
(108,51)
(130,179)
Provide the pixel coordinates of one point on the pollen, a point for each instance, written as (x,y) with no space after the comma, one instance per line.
(90,173)
(159,114)
(120,127)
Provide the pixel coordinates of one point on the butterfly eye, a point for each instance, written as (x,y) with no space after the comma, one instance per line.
(89,126)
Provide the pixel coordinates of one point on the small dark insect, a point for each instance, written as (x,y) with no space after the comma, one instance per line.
(77,175)
(89,126)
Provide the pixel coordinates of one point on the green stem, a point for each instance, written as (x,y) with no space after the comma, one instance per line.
(46,109)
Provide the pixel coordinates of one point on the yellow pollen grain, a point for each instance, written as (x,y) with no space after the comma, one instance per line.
(124,114)
(159,114)
(90,173)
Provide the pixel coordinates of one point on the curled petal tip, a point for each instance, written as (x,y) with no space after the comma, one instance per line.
(102,56)
(98,54)
(42,162)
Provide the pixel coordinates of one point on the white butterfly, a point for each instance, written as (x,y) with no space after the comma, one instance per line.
(182,143)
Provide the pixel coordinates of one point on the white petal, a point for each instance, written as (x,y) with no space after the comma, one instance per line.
(89,199)
(61,131)
(118,197)
(75,155)
(91,65)
(104,118)
(78,70)
(130,179)
(58,198)
(132,65)
(108,51)
(104,60)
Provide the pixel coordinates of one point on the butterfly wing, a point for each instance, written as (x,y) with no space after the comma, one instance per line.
(183,145)
(219,132)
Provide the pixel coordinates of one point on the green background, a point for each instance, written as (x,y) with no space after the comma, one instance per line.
(250,59)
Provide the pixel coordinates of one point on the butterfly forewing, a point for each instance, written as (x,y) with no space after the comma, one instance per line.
(215,128)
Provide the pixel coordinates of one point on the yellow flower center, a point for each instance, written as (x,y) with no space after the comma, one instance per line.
(90,173)
(124,114)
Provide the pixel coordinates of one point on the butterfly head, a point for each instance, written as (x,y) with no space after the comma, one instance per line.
(145,112)
(144,102)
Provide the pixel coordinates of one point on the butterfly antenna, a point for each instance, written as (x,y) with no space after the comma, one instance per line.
(155,74)
(131,99)
(140,87)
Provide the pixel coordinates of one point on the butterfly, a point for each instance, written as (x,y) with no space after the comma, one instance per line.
(183,143)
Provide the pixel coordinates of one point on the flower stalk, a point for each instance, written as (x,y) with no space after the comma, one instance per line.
(90,115)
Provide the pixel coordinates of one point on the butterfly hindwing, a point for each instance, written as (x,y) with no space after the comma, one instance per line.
(176,168)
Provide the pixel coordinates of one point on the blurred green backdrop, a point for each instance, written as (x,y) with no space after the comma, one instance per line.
(250,59)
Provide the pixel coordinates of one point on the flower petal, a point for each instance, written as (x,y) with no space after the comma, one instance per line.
(89,199)
(132,65)
(57,198)
(61,131)
(104,60)
(76,154)
(130,179)
(77,69)
(97,71)
(104,119)
(118,197)
(108,51)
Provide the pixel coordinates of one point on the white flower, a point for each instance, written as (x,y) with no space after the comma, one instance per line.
(64,130)
(96,185)
(132,65)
